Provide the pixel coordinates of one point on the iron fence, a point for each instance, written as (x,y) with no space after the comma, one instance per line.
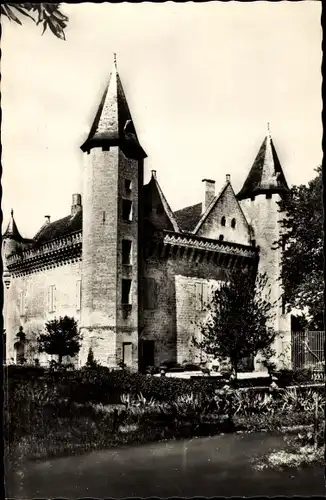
(308,349)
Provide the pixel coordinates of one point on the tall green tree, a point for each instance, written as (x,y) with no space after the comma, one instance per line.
(49,15)
(238,315)
(61,338)
(302,271)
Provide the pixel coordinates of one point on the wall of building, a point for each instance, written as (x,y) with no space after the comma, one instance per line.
(127,314)
(264,216)
(35,312)
(227,206)
(106,322)
(173,322)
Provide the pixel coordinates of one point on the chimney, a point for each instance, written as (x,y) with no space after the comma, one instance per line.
(209,193)
(47,219)
(154,174)
(76,204)
(228,178)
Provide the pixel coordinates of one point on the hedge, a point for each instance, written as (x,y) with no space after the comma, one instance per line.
(102,385)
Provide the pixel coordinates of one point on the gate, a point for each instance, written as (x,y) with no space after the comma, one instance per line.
(308,350)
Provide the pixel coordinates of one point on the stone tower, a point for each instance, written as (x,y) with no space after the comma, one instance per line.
(259,197)
(113,178)
(11,242)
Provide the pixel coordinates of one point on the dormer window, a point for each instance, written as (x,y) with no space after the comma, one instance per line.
(268,196)
(221,237)
(233,223)
(223,221)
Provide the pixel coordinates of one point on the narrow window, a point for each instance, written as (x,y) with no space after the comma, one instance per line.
(127,210)
(51,298)
(223,221)
(126,252)
(149,293)
(128,186)
(268,196)
(127,353)
(22,303)
(221,237)
(283,243)
(233,223)
(199,296)
(125,292)
(283,305)
(205,295)
(78,295)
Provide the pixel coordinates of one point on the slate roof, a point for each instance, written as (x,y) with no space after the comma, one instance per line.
(59,228)
(113,125)
(147,189)
(188,217)
(12,230)
(266,174)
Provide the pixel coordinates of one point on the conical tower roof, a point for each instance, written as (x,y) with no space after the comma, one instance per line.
(266,174)
(12,230)
(113,125)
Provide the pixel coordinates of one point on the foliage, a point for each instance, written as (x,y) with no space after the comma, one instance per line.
(237,324)
(302,257)
(48,416)
(61,338)
(47,14)
(292,377)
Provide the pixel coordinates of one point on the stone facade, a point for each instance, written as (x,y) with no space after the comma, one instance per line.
(136,276)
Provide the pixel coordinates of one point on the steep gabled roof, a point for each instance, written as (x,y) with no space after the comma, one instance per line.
(154,185)
(113,125)
(188,217)
(266,174)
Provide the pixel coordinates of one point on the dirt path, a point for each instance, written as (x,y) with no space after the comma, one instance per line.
(218,466)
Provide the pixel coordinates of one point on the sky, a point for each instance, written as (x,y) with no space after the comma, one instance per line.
(202,81)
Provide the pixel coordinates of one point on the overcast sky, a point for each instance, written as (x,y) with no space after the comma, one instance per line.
(202,81)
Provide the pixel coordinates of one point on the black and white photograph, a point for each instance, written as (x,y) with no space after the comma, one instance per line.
(162,249)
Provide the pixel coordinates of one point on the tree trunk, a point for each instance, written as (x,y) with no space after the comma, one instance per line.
(60,359)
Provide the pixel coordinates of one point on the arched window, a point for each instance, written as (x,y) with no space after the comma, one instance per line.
(223,221)
(233,223)
(221,237)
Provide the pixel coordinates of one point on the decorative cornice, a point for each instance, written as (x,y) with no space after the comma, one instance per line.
(50,254)
(199,243)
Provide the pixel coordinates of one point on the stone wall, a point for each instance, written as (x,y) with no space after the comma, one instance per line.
(33,311)
(227,207)
(106,322)
(172,323)
(264,216)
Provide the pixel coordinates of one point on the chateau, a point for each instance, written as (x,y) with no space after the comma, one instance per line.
(136,275)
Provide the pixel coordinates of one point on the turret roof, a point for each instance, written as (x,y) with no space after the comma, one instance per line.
(12,230)
(266,174)
(113,124)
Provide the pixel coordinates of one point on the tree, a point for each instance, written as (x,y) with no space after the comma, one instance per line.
(302,270)
(48,14)
(61,338)
(237,322)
